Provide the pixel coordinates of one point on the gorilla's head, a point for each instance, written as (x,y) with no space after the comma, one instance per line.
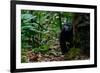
(67,27)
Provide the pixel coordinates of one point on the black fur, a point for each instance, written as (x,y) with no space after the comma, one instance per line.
(66,38)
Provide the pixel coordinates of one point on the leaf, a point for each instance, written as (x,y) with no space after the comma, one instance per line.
(27,17)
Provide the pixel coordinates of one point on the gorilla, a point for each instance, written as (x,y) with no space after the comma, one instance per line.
(66,38)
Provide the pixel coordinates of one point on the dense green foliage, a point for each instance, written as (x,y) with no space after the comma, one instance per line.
(40,29)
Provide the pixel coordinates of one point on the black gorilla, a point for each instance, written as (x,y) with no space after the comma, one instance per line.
(66,38)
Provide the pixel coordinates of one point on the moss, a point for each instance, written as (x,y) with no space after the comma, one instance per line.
(72,54)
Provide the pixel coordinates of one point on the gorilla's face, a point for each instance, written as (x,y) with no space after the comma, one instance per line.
(67,27)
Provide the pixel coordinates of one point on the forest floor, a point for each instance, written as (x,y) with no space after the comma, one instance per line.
(54,54)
